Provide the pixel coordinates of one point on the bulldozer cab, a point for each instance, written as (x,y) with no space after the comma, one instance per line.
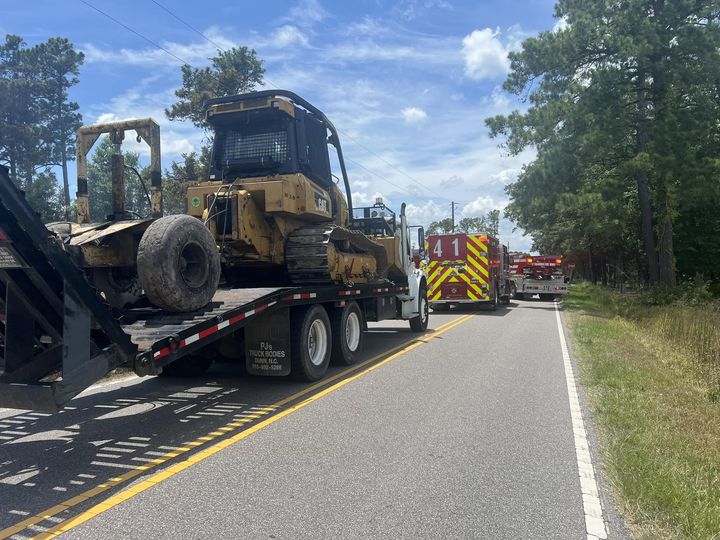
(271,133)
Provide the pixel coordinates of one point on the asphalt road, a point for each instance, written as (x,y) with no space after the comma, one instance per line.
(465,434)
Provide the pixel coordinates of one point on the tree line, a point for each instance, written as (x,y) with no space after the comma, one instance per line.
(624,112)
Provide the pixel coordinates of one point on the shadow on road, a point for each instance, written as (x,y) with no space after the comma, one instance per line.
(47,459)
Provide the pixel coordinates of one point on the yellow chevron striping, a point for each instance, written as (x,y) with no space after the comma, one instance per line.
(474,274)
(479,243)
(473,286)
(479,267)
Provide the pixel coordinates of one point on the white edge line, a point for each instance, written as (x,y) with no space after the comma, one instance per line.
(592,508)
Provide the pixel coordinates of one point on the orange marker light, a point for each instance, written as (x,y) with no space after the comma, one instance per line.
(559,261)
(529,259)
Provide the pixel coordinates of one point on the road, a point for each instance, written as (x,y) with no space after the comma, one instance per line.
(464,433)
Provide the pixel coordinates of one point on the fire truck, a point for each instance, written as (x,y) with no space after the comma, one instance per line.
(542,275)
(467,269)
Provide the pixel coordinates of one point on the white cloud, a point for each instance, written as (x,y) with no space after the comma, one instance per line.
(414,115)
(286,36)
(485,56)
(306,13)
(425,213)
(561,24)
(453,181)
(482,205)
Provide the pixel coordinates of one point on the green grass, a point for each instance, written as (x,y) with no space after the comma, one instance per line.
(652,378)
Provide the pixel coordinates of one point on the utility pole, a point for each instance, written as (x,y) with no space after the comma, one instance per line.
(452,219)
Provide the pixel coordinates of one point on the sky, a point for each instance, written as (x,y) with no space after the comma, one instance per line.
(407,83)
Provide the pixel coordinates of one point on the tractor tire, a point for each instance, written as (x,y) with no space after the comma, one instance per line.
(178,264)
(310,343)
(347,331)
(187,366)
(420,323)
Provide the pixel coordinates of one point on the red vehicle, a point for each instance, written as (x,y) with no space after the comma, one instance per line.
(543,275)
(467,269)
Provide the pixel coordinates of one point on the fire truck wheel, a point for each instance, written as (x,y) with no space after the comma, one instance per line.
(187,366)
(178,263)
(420,323)
(310,343)
(347,331)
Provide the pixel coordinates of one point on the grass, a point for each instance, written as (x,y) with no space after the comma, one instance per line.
(651,372)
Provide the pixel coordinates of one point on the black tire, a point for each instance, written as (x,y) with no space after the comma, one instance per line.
(187,366)
(420,323)
(178,263)
(306,364)
(347,334)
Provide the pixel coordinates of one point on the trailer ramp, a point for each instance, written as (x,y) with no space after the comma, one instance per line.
(57,336)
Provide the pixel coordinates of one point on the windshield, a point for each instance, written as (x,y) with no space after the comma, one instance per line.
(264,145)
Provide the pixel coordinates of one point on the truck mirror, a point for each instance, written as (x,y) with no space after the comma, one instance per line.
(421,240)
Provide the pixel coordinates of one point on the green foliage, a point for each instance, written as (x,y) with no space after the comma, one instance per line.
(488,224)
(39,122)
(440,227)
(179,177)
(45,196)
(627,91)
(100,183)
(235,71)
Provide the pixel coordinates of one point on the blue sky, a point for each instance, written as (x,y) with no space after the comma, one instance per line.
(407,83)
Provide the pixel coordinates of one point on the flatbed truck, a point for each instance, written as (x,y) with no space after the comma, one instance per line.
(58,336)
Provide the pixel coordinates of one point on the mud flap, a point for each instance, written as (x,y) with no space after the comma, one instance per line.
(267,345)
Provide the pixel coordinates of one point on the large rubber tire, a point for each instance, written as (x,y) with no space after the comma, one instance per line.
(347,334)
(310,343)
(420,323)
(187,366)
(178,263)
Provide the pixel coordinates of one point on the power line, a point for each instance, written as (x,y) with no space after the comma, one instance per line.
(126,27)
(171,13)
(374,173)
(158,4)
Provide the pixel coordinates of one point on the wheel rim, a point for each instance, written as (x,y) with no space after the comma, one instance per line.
(352,331)
(317,342)
(193,265)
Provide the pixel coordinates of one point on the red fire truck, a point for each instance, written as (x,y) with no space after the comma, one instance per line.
(542,275)
(467,269)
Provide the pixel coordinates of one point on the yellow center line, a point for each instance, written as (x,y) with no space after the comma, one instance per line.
(398,350)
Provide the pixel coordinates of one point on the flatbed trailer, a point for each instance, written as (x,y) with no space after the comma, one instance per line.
(58,336)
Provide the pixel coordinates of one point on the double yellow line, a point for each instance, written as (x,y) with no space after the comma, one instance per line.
(128,493)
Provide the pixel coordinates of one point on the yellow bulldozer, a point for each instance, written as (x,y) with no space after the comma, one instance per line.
(271,213)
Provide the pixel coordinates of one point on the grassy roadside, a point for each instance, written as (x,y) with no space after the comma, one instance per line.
(651,373)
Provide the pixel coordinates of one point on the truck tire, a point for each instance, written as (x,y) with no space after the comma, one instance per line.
(187,366)
(178,263)
(347,332)
(310,343)
(420,323)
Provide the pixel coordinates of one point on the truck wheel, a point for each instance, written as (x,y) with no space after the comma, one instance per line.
(178,263)
(310,343)
(420,323)
(187,366)
(347,332)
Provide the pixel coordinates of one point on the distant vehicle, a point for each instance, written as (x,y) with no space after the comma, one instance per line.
(543,275)
(467,269)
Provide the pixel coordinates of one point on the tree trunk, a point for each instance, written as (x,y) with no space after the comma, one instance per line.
(648,235)
(667,259)
(66,183)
